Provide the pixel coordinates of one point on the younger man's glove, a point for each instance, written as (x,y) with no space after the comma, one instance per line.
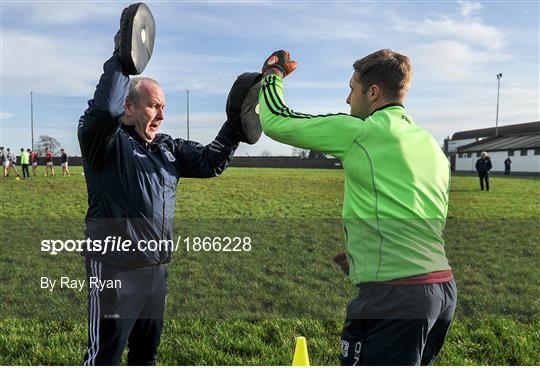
(279,63)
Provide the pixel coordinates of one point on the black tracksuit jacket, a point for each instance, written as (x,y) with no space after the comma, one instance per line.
(132,184)
(483,165)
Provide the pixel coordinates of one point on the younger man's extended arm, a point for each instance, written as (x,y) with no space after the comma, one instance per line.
(332,133)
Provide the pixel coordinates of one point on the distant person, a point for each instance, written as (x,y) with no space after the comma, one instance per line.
(507,164)
(483,165)
(64,162)
(5,162)
(48,162)
(12,163)
(25,162)
(34,158)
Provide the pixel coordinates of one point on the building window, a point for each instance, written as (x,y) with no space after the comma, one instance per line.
(537,152)
(469,155)
(460,155)
(510,152)
(477,154)
(523,152)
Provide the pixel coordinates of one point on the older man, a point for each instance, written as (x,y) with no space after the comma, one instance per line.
(132,172)
(483,165)
(394,209)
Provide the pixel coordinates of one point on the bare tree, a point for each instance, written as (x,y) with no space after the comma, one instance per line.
(300,152)
(314,155)
(266,153)
(47,141)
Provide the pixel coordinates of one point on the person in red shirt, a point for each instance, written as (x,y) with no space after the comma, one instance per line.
(34,160)
(48,162)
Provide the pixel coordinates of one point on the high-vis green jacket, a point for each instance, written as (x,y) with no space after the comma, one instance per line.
(396,183)
(25,158)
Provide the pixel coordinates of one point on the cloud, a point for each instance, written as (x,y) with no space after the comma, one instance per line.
(466,8)
(319,85)
(212,73)
(451,61)
(64,65)
(261,20)
(474,108)
(70,65)
(64,13)
(468,31)
(5,115)
(453,50)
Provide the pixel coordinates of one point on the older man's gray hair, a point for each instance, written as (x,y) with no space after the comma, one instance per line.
(134,88)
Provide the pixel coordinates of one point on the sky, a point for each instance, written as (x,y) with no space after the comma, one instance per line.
(56,50)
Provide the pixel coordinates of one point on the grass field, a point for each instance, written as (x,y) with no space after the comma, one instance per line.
(247,307)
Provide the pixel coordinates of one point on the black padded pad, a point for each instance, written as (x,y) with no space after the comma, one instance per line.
(137,34)
(242,107)
(251,123)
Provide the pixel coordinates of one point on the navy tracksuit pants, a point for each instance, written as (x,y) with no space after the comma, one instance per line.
(484,177)
(125,307)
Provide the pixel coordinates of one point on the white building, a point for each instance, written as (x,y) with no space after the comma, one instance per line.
(520,142)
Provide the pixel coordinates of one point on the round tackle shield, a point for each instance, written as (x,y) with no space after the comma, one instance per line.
(243,107)
(137,35)
(251,123)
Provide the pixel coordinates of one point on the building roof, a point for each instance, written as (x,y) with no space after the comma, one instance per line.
(506,130)
(503,144)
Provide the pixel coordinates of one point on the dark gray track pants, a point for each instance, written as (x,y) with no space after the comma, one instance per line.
(397,324)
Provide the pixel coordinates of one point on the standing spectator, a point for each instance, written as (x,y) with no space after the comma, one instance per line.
(34,159)
(507,164)
(48,162)
(483,165)
(64,163)
(5,162)
(25,162)
(12,163)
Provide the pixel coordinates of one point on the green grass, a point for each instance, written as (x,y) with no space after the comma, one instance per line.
(246,308)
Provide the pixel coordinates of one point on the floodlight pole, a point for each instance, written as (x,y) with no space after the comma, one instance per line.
(499,76)
(32,118)
(187,103)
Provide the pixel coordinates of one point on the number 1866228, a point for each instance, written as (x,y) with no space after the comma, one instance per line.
(218,244)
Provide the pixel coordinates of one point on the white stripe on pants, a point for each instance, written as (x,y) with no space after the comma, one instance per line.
(93,322)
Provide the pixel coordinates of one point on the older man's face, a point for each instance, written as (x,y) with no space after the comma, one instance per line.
(148,113)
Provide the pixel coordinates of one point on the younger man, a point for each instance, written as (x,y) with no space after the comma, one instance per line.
(394,208)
